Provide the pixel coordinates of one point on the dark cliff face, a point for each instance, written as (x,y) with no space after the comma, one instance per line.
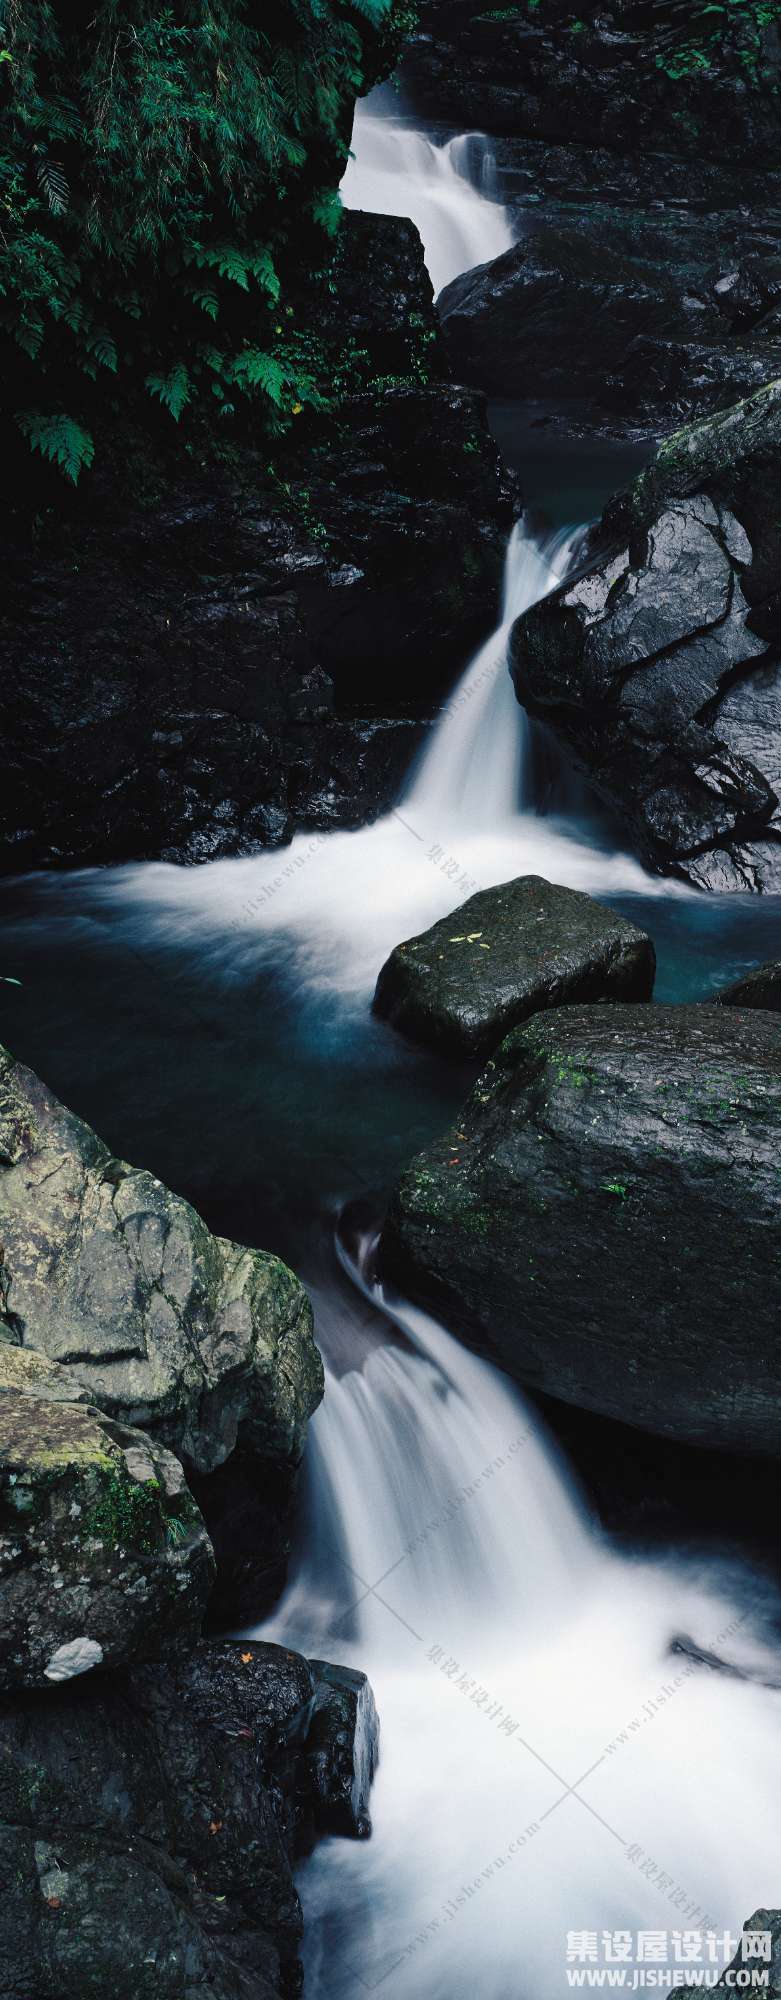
(598,76)
(205,655)
(642,180)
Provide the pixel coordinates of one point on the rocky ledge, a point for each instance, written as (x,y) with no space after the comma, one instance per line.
(620,317)
(759,988)
(657,664)
(505,954)
(604,1218)
(205,1344)
(211,650)
(149,1822)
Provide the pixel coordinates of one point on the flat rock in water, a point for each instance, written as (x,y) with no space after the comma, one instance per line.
(758,988)
(508,953)
(604,1219)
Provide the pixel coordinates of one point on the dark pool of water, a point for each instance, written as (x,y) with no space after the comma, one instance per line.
(265,1102)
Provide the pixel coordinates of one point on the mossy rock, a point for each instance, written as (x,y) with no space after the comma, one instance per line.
(604,1218)
(104,1557)
(107,1272)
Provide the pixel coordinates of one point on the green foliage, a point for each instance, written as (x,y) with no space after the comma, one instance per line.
(164,171)
(715,29)
(60,439)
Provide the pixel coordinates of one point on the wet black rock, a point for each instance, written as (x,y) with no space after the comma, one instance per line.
(759,988)
(149,1822)
(342,1748)
(505,954)
(604,1219)
(658,663)
(208,653)
(601,79)
(624,316)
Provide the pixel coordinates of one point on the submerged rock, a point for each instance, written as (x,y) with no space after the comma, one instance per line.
(104,1557)
(759,988)
(505,954)
(605,1218)
(657,663)
(149,1823)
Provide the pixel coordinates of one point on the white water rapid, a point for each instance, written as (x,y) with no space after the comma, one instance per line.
(542,1745)
(341,901)
(474,769)
(448,190)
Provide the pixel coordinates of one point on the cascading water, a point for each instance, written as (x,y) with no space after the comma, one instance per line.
(548,1765)
(473,770)
(342,901)
(541,1739)
(448,191)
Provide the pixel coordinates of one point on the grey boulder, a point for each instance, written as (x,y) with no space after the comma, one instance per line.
(105,1270)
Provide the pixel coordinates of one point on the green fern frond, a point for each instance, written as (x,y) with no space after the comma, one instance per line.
(53,185)
(327,211)
(254,370)
(100,344)
(174,390)
(60,439)
(207,300)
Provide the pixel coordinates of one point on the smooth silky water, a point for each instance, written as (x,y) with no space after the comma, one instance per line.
(214,1024)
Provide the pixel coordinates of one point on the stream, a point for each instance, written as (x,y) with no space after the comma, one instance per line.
(549,1765)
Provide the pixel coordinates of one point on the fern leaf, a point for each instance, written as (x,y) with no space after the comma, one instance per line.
(59,439)
(101,345)
(262,268)
(327,211)
(29,335)
(207,300)
(174,389)
(52,183)
(254,370)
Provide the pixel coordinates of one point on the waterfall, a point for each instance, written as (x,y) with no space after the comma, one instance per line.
(472,770)
(448,191)
(446,1552)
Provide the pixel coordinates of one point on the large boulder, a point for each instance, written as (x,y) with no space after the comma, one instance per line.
(620,316)
(106,1270)
(205,1344)
(657,663)
(149,1823)
(759,988)
(211,649)
(505,954)
(104,1557)
(604,1219)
